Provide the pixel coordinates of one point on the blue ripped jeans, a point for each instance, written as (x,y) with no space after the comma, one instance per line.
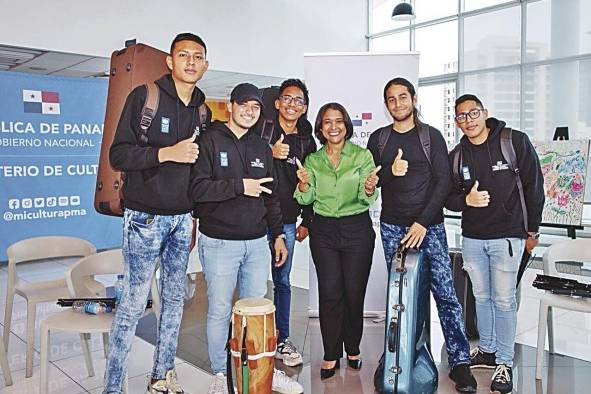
(492,265)
(450,311)
(147,240)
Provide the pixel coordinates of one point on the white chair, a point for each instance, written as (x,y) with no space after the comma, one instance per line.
(571,250)
(39,248)
(4,365)
(81,284)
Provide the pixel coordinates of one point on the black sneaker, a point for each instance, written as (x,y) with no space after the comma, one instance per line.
(480,359)
(502,380)
(465,382)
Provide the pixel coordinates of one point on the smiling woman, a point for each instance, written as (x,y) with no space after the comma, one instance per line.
(340,181)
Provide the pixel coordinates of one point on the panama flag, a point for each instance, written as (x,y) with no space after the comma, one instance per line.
(41,102)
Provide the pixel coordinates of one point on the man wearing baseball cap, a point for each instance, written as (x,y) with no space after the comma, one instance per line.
(234,191)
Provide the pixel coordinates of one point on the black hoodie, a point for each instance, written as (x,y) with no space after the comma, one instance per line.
(217,188)
(485,162)
(301,144)
(150,186)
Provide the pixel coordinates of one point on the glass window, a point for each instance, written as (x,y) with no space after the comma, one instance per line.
(558,31)
(438,45)
(436,106)
(470,5)
(499,92)
(558,95)
(427,10)
(492,39)
(381,16)
(397,42)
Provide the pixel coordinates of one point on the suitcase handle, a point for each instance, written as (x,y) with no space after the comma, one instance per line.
(392,331)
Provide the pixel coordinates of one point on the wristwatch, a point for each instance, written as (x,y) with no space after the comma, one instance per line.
(282,236)
(533,235)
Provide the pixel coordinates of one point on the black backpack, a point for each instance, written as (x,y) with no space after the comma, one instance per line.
(424,137)
(508,152)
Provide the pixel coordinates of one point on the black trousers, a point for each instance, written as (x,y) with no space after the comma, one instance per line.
(342,250)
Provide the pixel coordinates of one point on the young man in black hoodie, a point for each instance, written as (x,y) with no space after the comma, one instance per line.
(235,191)
(157,220)
(493,229)
(291,139)
(414,190)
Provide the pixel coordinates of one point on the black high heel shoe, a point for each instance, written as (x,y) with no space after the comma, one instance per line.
(355,364)
(328,373)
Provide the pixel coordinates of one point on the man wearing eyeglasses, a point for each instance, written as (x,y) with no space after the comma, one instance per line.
(493,228)
(291,139)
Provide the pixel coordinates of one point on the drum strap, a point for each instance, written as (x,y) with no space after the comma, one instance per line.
(253,357)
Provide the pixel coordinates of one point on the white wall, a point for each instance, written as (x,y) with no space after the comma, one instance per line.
(265,37)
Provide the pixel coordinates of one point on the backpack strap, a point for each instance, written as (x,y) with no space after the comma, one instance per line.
(425,138)
(456,164)
(267,130)
(383,139)
(508,151)
(202,113)
(149,110)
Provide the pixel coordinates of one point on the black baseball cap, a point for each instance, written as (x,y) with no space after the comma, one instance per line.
(246,92)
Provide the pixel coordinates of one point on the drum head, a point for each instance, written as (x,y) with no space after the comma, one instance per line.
(253,307)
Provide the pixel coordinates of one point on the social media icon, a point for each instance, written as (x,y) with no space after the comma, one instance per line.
(39,202)
(74,200)
(27,203)
(14,203)
(63,201)
(51,201)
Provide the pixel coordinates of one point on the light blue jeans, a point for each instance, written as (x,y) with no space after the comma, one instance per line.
(148,239)
(224,263)
(492,265)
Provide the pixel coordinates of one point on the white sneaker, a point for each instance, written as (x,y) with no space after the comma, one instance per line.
(174,387)
(157,387)
(284,384)
(218,385)
(288,353)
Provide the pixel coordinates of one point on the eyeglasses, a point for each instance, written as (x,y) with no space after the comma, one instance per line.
(298,101)
(473,114)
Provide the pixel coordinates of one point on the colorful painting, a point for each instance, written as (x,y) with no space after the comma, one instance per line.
(564,165)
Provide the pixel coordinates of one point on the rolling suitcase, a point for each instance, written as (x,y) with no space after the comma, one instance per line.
(463,286)
(407,365)
(135,65)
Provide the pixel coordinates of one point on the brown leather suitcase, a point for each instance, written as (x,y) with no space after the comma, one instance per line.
(135,65)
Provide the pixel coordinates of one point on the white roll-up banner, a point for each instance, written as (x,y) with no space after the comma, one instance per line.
(357,80)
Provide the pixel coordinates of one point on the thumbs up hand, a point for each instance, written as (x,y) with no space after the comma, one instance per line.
(371,181)
(280,150)
(303,176)
(477,198)
(185,151)
(400,166)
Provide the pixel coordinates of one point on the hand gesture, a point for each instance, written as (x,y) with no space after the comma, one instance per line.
(372,181)
(280,150)
(303,176)
(254,187)
(301,233)
(415,235)
(400,166)
(280,251)
(476,198)
(185,151)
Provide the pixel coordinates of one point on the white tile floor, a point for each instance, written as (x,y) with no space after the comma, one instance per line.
(68,373)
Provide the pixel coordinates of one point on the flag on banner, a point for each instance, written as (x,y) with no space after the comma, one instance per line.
(41,102)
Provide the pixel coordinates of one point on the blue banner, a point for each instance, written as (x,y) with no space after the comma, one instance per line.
(50,136)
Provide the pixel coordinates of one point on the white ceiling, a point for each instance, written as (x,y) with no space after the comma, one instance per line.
(216,84)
